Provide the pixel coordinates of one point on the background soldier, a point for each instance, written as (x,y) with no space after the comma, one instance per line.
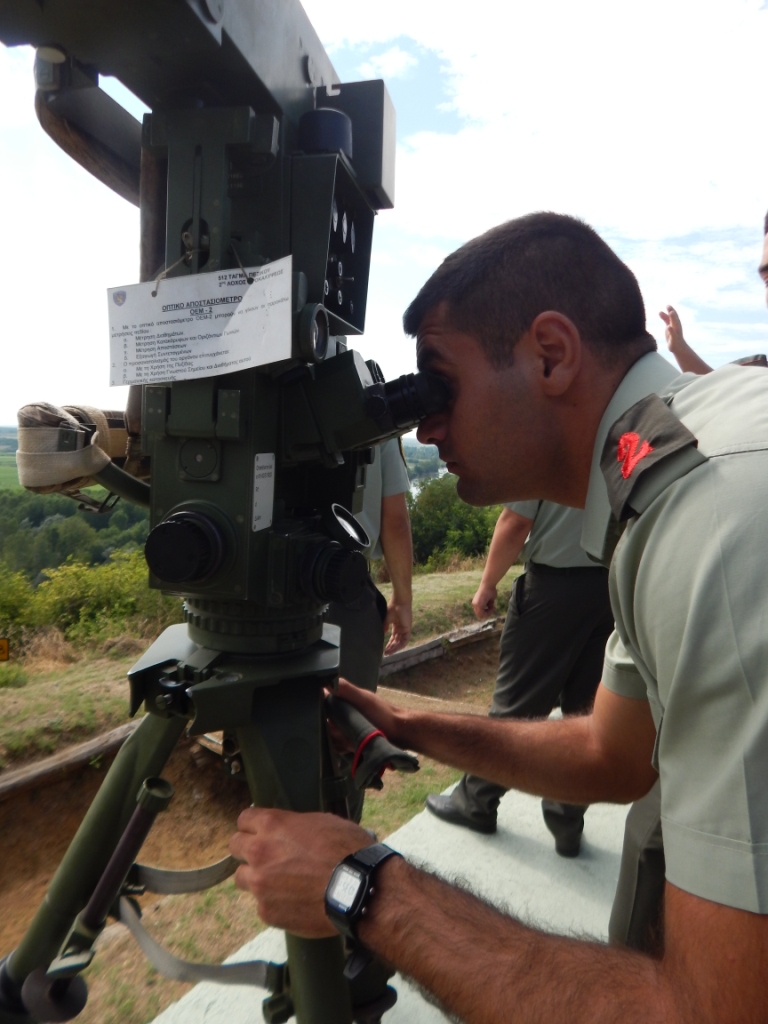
(551,650)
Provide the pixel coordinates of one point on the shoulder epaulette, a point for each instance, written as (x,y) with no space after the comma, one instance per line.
(647,448)
(757,360)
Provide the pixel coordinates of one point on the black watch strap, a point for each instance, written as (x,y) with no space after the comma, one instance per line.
(372,856)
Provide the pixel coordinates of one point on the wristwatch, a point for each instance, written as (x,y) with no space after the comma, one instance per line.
(351,886)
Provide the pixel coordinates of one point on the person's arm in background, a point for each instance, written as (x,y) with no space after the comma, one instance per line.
(687,359)
(509,535)
(397,547)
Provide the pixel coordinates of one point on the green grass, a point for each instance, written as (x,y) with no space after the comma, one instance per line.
(403,796)
(62,705)
(12,676)
(8,476)
(124,989)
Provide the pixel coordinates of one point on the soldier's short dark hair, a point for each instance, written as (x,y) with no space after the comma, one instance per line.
(496,285)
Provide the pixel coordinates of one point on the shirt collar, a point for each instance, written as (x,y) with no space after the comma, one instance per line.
(650,374)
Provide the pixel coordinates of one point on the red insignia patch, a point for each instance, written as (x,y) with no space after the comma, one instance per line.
(631,451)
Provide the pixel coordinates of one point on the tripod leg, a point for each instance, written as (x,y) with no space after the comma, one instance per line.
(143,754)
(283,756)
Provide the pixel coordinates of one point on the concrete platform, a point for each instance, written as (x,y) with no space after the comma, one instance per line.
(516,869)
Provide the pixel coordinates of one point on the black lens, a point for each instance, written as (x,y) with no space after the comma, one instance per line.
(185,548)
(414,396)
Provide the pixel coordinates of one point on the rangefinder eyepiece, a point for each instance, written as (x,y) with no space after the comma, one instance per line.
(403,403)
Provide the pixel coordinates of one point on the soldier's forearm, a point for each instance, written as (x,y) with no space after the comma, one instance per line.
(688,359)
(486,967)
(399,560)
(558,759)
(506,544)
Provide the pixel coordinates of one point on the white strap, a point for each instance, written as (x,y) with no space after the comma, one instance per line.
(253,972)
(43,468)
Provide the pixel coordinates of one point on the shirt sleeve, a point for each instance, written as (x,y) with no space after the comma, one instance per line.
(526,509)
(620,674)
(394,475)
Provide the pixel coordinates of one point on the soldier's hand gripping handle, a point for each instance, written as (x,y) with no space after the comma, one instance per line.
(373,751)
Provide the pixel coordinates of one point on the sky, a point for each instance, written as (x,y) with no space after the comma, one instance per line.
(642,118)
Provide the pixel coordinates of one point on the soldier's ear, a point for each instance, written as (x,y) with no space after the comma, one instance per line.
(556,345)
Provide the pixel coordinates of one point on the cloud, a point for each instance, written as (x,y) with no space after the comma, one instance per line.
(393,63)
(644,120)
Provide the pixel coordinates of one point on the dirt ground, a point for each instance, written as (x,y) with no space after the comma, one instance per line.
(36,827)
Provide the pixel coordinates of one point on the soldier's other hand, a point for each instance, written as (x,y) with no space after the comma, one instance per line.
(484,601)
(383,715)
(400,619)
(288,859)
(674,330)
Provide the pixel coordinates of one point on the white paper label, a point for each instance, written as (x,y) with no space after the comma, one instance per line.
(200,325)
(263,490)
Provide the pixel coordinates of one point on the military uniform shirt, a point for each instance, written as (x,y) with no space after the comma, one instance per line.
(689,591)
(555,537)
(385,477)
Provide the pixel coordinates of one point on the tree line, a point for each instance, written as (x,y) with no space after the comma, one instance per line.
(443,525)
(42,531)
(39,532)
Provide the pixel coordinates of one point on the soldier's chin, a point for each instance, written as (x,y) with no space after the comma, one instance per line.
(473,492)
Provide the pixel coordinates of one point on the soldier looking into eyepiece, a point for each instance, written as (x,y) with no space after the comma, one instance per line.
(558,393)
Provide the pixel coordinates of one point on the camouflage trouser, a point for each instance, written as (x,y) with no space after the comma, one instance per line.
(551,653)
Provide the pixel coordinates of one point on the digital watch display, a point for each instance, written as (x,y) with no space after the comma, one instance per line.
(345,888)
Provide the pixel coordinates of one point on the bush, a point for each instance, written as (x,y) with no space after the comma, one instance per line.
(94,603)
(15,603)
(443,525)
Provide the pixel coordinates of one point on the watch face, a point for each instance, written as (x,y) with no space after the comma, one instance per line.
(344,887)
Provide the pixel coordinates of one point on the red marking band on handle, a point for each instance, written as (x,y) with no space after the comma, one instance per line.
(363,745)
